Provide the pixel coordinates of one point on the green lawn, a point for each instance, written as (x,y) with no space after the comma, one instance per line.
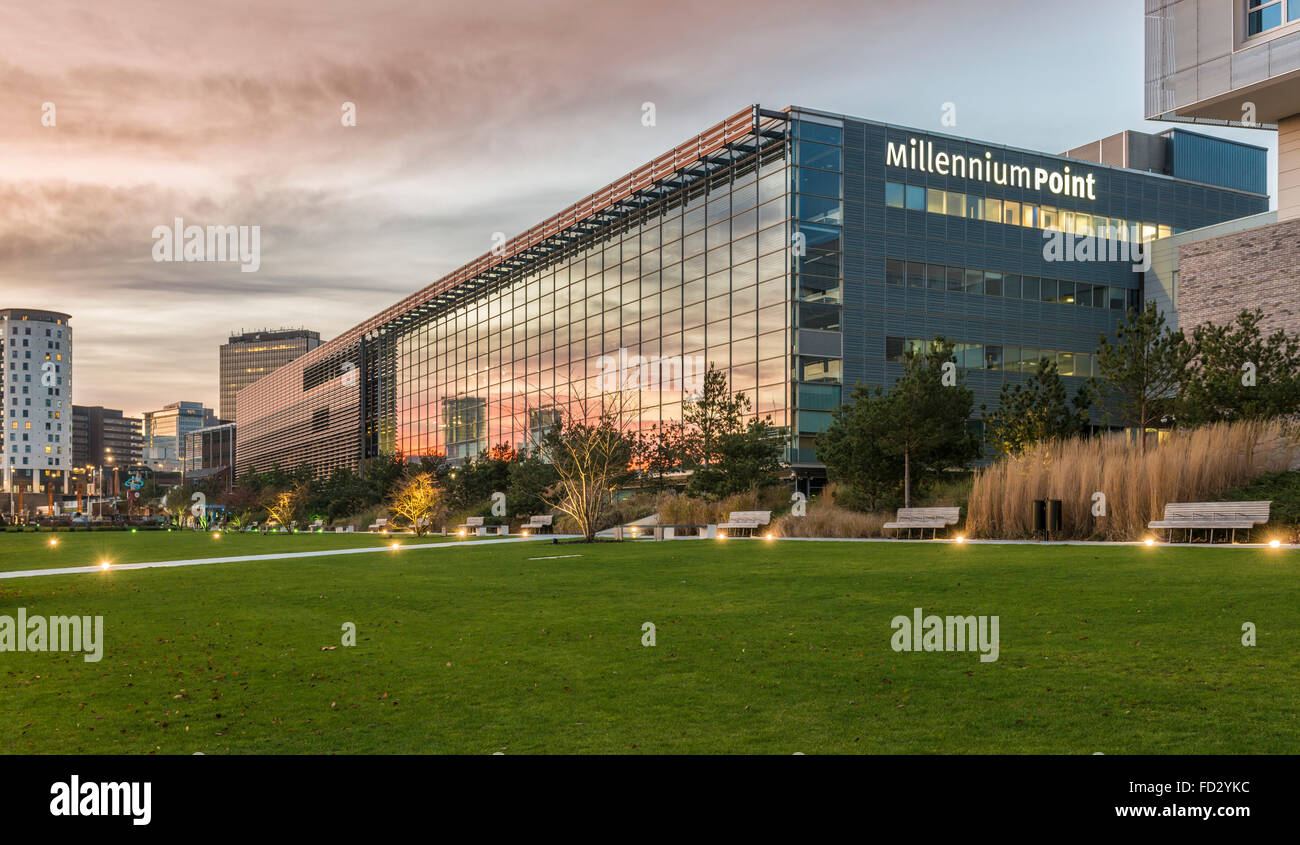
(762,648)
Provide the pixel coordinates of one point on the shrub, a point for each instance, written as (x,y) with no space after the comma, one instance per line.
(826,518)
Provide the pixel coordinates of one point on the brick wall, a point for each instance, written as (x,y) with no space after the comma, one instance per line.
(1257,268)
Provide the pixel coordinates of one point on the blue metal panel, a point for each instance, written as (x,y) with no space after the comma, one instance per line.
(1216,161)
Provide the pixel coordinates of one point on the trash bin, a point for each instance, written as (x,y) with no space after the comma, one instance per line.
(1047,515)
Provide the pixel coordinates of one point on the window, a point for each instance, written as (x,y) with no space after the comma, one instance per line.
(936,276)
(934,200)
(915,274)
(894,194)
(895,272)
(1263,15)
(915,198)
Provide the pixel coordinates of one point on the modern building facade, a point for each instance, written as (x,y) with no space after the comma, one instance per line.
(100,433)
(210,452)
(1237,63)
(799,251)
(248,356)
(165,429)
(36,418)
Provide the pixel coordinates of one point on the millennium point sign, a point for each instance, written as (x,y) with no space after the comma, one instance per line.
(921,155)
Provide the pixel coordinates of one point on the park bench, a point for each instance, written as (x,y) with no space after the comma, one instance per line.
(749,521)
(318,524)
(923,518)
(473,524)
(379,525)
(1212,515)
(539,523)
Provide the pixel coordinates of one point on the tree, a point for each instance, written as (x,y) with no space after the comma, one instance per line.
(1141,371)
(708,418)
(284,506)
(419,501)
(178,502)
(590,460)
(1035,411)
(1237,374)
(724,442)
(659,453)
(929,407)
(850,447)
(530,478)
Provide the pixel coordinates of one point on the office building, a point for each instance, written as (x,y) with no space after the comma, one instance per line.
(210,452)
(1232,63)
(799,251)
(100,433)
(165,430)
(248,356)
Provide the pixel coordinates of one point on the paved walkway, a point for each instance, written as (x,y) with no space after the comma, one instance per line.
(73,570)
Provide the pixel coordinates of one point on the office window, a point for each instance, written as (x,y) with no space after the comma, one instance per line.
(934,199)
(895,272)
(915,274)
(915,198)
(894,192)
(956,203)
(1011,212)
(1263,15)
(936,276)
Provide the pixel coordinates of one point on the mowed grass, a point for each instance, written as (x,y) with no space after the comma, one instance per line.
(32,550)
(762,647)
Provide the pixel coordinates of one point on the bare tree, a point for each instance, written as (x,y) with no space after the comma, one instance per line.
(419,500)
(591,459)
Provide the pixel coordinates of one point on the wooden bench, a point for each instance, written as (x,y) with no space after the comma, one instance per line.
(379,525)
(475,523)
(749,521)
(923,518)
(1212,515)
(542,523)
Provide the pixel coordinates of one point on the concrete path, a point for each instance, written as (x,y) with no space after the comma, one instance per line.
(81,570)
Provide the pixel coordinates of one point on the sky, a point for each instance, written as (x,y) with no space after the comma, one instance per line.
(470,120)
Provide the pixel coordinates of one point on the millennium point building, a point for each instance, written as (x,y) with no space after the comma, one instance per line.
(801,252)
(36,418)
(248,356)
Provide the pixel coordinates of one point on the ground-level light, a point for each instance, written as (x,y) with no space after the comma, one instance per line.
(103,564)
(961,539)
(54,541)
(1150,542)
(1273,544)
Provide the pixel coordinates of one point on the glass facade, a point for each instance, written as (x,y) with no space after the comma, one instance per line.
(698,277)
(783,248)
